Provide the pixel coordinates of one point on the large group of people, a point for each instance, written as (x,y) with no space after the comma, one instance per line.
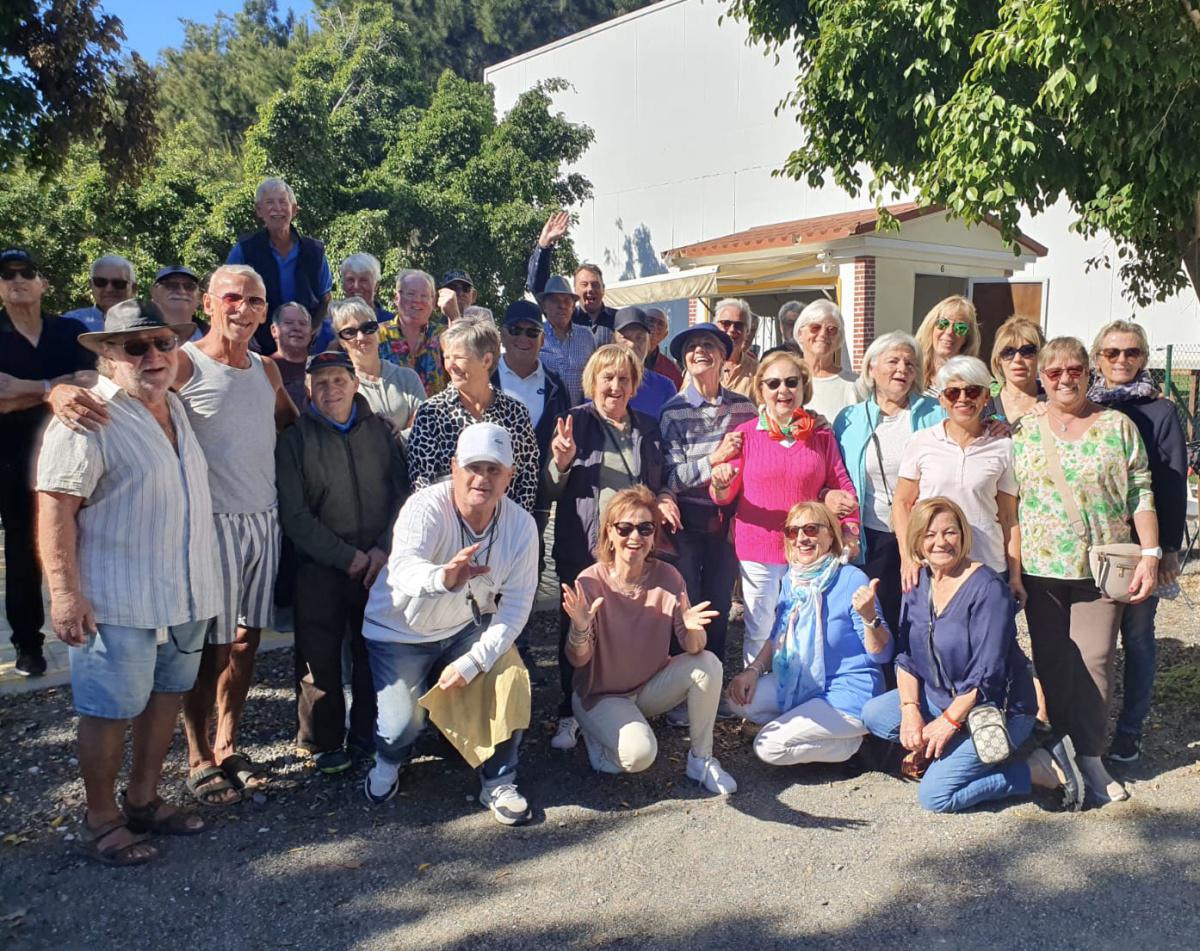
(196,458)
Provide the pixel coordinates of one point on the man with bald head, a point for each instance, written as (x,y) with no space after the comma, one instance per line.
(235,402)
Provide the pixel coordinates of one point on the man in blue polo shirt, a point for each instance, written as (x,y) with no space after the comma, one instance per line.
(293,267)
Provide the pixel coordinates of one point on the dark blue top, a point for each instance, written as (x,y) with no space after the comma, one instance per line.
(541,261)
(975,638)
(653,394)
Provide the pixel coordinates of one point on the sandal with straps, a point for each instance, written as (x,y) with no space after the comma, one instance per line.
(146,818)
(117,856)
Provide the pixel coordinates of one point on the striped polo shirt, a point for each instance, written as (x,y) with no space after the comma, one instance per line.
(146,548)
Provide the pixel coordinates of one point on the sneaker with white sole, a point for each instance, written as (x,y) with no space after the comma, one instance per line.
(567,734)
(381,782)
(707,771)
(507,804)
(599,756)
(1101,787)
(677,716)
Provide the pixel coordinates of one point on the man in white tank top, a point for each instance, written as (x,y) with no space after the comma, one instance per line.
(236,403)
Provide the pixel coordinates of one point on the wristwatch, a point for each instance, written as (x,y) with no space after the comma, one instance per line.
(875,624)
(1152,552)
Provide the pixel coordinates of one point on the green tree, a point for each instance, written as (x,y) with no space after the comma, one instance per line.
(224,71)
(63,79)
(988,108)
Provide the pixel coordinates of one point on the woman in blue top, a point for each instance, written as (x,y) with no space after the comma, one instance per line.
(872,435)
(956,648)
(809,682)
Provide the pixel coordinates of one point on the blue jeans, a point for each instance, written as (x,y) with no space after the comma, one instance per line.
(1141,657)
(956,780)
(709,568)
(402,674)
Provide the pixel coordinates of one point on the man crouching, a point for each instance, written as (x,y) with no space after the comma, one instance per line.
(456,592)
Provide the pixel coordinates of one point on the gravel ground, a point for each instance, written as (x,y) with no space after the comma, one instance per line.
(797,858)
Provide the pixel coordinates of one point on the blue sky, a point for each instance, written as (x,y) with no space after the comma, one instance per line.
(149,27)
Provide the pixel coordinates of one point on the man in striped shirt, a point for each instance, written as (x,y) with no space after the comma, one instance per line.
(133,574)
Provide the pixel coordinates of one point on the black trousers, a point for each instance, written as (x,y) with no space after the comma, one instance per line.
(883,562)
(567,573)
(23,571)
(328,611)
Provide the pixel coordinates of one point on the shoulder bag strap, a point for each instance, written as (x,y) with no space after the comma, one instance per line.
(1054,466)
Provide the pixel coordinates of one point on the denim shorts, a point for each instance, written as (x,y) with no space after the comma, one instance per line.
(117,668)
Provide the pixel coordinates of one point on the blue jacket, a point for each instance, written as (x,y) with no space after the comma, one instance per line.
(853,428)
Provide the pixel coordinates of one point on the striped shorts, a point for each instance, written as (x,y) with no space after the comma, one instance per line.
(248,551)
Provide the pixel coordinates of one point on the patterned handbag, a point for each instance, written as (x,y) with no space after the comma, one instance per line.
(989,732)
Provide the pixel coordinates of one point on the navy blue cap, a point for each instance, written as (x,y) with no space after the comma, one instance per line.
(172,269)
(631,317)
(17,256)
(522,311)
(681,338)
(329,358)
(456,277)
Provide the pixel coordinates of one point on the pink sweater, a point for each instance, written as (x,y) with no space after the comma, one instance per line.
(771,479)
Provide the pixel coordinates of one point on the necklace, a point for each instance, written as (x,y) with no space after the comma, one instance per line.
(1062,427)
(634,590)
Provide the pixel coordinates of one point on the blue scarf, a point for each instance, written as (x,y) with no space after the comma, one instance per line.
(1141,386)
(340,427)
(799,661)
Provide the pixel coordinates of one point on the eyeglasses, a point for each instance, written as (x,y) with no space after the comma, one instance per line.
(830,329)
(232,300)
(531,332)
(1026,350)
(773,383)
(729,326)
(139,348)
(11,274)
(961,327)
(349,333)
(973,392)
(811,530)
(1131,353)
(118,283)
(625,529)
(1072,372)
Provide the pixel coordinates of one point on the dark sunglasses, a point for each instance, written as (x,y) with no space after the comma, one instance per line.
(1026,350)
(139,348)
(531,332)
(1131,353)
(961,327)
(11,274)
(773,383)
(232,300)
(349,333)
(1073,373)
(952,393)
(118,283)
(811,530)
(625,529)
(728,325)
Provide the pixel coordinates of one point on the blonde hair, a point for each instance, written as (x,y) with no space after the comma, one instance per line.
(923,514)
(624,502)
(769,361)
(950,308)
(1122,327)
(611,356)
(1063,347)
(1014,332)
(818,512)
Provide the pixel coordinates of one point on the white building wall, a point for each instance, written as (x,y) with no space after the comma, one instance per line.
(687,138)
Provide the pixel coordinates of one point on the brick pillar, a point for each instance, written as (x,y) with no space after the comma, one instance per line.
(693,311)
(864,307)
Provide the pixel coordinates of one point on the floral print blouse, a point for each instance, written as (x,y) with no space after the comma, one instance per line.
(425,359)
(1107,471)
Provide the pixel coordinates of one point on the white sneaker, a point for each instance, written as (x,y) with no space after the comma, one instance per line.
(1098,782)
(381,782)
(507,804)
(567,734)
(599,756)
(708,773)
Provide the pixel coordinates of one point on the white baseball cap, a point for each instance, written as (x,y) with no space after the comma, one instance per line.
(484,442)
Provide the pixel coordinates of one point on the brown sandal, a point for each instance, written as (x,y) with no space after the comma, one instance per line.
(146,819)
(117,856)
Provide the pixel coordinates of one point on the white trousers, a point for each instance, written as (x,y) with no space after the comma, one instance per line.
(760,594)
(813,732)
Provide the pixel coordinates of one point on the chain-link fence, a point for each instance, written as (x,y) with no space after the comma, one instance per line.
(1176,369)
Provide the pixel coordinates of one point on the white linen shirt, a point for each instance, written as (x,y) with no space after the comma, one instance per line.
(409,602)
(971,477)
(146,545)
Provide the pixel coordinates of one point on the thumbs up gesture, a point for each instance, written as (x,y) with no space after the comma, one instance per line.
(562,446)
(864,599)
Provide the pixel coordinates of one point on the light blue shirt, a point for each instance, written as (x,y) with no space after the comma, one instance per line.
(287,270)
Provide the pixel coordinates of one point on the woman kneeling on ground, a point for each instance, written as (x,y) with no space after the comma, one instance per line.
(809,682)
(623,610)
(956,648)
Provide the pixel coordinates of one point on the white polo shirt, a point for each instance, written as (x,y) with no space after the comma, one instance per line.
(530,390)
(971,477)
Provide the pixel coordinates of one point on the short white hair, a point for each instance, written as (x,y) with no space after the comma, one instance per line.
(407,272)
(742,306)
(822,309)
(658,315)
(478,311)
(362,263)
(268,185)
(114,260)
(343,311)
(970,370)
(477,334)
(237,270)
(865,385)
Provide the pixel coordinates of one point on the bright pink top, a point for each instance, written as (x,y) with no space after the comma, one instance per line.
(771,478)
